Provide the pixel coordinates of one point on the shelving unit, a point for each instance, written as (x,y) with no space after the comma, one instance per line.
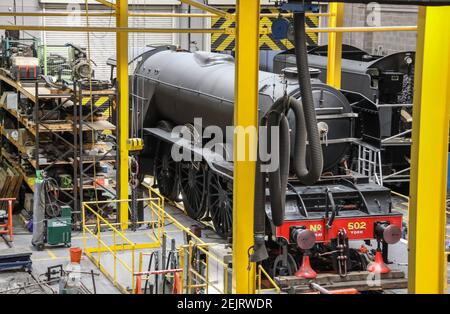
(57,129)
(100,101)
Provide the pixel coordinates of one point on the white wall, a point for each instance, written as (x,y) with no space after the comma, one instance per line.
(103,45)
(22,5)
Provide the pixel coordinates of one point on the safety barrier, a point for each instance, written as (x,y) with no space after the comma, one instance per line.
(103,241)
(203,270)
(206,273)
(273,287)
(119,254)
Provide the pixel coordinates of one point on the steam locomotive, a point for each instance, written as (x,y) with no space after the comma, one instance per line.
(384,123)
(310,206)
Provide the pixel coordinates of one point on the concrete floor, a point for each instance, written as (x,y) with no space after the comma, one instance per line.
(60,255)
(54,256)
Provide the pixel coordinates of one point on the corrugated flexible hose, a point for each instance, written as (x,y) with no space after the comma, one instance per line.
(311,174)
(306,128)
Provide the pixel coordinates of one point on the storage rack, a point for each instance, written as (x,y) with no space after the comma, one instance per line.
(38,124)
(99,101)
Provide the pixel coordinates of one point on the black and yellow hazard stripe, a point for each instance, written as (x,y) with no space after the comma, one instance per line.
(226,42)
(102,103)
(104,106)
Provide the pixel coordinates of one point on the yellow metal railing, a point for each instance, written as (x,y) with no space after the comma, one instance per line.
(103,240)
(199,269)
(196,260)
(259,278)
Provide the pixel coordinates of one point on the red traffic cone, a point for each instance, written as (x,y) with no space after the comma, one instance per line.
(378,266)
(306,270)
(176,284)
(138,288)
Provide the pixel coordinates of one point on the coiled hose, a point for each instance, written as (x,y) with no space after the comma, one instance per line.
(311,174)
(278,179)
(259,247)
(306,128)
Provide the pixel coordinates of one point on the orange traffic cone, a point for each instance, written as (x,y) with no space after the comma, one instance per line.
(176,284)
(378,266)
(306,270)
(138,289)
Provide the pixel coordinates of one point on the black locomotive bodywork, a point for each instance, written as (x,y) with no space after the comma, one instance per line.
(178,87)
(384,122)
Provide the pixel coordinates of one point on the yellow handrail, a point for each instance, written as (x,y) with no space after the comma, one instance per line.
(124,242)
(261,271)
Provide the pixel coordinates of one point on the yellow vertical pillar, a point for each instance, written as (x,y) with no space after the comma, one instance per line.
(245,115)
(123,127)
(426,265)
(335,45)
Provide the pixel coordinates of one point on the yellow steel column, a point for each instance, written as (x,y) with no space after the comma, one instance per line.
(245,115)
(335,44)
(123,127)
(426,264)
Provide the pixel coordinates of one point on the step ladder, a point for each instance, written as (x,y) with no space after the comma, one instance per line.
(369,162)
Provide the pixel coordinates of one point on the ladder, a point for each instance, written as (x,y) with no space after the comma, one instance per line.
(369,162)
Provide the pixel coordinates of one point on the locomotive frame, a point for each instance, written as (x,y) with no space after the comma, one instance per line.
(344,201)
(385,116)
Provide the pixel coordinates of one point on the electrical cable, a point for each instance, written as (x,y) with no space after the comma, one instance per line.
(149,269)
(94,168)
(168,260)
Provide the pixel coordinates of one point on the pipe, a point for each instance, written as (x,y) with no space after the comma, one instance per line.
(206,8)
(310,175)
(147,14)
(228,31)
(57,14)
(278,179)
(94,29)
(259,247)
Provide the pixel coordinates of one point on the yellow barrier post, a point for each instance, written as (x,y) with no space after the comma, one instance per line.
(182,266)
(115,258)
(189,268)
(335,45)
(245,118)
(429,153)
(122,79)
(98,241)
(83,226)
(133,280)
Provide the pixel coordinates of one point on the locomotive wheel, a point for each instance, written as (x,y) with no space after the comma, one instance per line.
(290,268)
(193,177)
(221,204)
(359,261)
(166,172)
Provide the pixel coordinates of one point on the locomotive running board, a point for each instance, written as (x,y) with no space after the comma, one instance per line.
(214,160)
(362,281)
